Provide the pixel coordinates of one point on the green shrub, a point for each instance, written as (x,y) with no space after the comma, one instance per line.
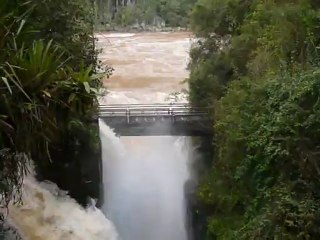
(44,85)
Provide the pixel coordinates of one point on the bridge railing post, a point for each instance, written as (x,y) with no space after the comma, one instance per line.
(128,115)
(172,114)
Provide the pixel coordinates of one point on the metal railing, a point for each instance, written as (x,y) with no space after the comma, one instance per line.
(151,110)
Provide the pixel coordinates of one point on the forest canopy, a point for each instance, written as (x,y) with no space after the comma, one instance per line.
(257,64)
(171,13)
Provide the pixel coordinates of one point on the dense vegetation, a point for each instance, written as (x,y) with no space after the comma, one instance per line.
(48,90)
(257,63)
(172,13)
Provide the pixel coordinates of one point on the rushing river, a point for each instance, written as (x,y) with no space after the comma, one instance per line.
(148,66)
(144,177)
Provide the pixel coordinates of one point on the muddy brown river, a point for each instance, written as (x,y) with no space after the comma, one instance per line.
(147,66)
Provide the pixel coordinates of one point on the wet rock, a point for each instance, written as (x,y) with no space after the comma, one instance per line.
(136,26)
(142,26)
(8,232)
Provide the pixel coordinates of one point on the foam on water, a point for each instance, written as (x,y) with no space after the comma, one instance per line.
(49,214)
(129,97)
(144,182)
(114,35)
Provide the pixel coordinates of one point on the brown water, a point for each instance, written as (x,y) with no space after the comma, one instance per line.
(148,66)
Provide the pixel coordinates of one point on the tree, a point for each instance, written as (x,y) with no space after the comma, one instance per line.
(257,64)
(47,86)
(175,13)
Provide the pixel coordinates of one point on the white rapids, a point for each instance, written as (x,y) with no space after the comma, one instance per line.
(49,214)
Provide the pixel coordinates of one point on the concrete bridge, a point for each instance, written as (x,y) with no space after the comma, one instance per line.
(179,119)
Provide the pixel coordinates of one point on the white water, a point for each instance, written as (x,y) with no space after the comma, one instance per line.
(49,214)
(144,181)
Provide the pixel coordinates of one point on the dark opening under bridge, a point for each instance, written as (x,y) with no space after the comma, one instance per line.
(179,119)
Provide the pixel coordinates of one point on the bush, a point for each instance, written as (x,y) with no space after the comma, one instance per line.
(264,183)
(257,64)
(44,85)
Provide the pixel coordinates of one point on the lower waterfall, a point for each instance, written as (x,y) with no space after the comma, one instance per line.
(48,213)
(144,181)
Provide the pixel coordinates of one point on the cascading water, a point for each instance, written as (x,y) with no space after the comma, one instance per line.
(144,180)
(48,213)
(145,177)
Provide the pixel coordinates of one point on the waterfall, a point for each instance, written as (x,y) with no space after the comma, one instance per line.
(48,213)
(144,181)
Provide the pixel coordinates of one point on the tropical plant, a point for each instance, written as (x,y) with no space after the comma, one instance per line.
(42,90)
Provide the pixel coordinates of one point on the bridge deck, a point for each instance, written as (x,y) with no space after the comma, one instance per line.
(156,119)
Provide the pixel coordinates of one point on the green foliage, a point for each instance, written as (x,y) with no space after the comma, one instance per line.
(221,17)
(45,85)
(127,16)
(210,71)
(175,13)
(254,38)
(69,24)
(268,145)
(257,64)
